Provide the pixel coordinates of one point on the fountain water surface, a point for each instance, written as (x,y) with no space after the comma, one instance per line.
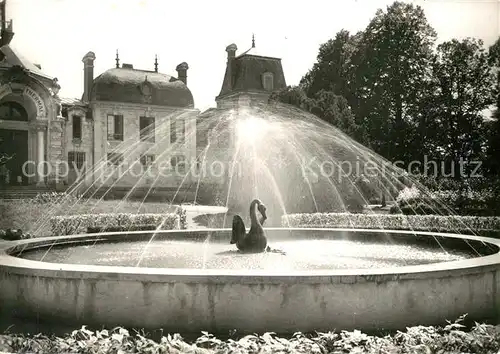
(300,255)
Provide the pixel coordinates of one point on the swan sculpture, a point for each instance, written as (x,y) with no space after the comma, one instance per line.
(255,241)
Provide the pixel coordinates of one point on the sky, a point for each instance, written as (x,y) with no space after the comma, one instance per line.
(57,33)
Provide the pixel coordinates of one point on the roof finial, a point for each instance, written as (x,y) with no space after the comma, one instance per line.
(253,40)
(117,60)
(156,63)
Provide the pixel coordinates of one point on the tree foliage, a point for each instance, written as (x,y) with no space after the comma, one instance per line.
(493,150)
(408,98)
(393,71)
(463,90)
(335,66)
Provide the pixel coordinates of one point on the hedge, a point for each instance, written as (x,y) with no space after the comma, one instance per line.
(76,224)
(392,221)
(411,201)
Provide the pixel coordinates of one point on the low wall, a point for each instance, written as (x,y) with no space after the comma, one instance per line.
(191,300)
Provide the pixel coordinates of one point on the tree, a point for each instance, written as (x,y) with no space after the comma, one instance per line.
(464,84)
(493,150)
(394,54)
(292,95)
(334,69)
(492,163)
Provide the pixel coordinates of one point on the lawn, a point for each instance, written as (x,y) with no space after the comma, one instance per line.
(30,215)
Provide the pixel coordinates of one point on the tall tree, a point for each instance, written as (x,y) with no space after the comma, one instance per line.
(395,54)
(464,85)
(493,151)
(335,66)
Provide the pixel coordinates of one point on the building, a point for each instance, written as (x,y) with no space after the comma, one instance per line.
(127,122)
(126,119)
(31,125)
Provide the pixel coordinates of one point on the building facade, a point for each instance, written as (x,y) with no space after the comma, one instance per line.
(127,122)
(130,128)
(31,124)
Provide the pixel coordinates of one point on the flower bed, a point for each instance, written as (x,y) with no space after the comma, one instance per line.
(76,224)
(392,222)
(452,338)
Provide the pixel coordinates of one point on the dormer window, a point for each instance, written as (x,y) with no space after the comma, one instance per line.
(268,81)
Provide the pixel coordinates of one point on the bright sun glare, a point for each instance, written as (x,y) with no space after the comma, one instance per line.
(252,129)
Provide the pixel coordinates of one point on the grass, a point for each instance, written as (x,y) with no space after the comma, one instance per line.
(27,214)
(452,338)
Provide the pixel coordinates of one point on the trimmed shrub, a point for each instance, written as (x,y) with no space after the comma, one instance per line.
(411,201)
(75,224)
(54,198)
(392,221)
(92,230)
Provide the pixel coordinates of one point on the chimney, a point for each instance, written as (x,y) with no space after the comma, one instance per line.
(231,54)
(88,75)
(231,51)
(127,66)
(182,69)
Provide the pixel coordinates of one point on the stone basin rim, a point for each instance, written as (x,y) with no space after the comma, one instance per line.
(12,264)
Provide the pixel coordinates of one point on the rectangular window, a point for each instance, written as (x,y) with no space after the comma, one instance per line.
(147,160)
(115,127)
(76,159)
(147,129)
(77,127)
(115,158)
(178,163)
(268,81)
(173,132)
(182,130)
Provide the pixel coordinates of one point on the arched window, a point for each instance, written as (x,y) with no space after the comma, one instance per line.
(13,111)
(268,81)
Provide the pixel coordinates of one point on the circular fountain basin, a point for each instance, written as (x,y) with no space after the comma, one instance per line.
(193,280)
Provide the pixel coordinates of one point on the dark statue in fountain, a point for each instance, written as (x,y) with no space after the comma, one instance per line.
(255,241)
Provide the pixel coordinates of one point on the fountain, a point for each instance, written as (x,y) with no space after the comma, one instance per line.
(195,280)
